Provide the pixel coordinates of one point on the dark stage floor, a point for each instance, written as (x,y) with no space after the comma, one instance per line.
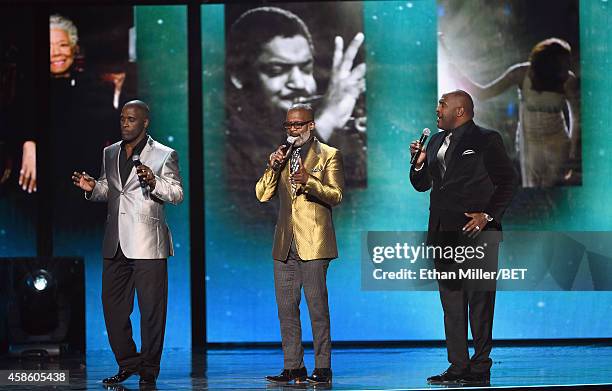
(572,367)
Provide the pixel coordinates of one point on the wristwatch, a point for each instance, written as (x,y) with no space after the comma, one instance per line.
(489,218)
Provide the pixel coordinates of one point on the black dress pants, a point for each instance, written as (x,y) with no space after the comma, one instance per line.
(463,302)
(121,278)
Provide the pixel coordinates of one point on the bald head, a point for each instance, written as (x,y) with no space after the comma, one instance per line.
(139,105)
(134,121)
(464,100)
(454,109)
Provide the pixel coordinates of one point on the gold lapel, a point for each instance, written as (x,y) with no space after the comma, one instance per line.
(312,157)
(311,160)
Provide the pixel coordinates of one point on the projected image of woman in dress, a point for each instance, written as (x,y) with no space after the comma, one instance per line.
(548,132)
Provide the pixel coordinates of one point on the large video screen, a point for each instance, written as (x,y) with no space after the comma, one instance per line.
(18,204)
(408,54)
(99,58)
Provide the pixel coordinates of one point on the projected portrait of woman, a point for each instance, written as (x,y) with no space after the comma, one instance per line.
(543,116)
(549,111)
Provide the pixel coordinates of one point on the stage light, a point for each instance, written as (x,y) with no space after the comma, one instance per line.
(39,280)
(44,302)
(40,283)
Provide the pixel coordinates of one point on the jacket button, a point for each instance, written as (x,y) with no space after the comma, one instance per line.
(122,193)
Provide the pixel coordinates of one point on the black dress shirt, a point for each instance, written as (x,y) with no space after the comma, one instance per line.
(125,161)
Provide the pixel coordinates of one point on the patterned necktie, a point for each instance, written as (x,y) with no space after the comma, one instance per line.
(294,166)
(442,153)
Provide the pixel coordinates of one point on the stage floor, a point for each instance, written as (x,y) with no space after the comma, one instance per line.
(534,368)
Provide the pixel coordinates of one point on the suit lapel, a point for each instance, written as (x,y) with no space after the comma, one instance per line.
(310,162)
(114,174)
(432,152)
(312,157)
(458,150)
(143,159)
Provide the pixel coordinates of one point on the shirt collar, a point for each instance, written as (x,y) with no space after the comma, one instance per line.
(457,132)
(139,147)
(306,147)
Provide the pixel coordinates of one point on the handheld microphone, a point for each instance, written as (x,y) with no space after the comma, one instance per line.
(289,143)
(143,184)
(137,162)
(424,136)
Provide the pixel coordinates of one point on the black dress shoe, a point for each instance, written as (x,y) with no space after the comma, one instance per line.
(288,375)
(320,376)
(120,377)
(476,379)
(446,377)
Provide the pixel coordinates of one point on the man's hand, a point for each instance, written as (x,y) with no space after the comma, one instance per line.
(83,181)
(145,173)
(345,85)
(27,174)
(300,177)
(475,225)
(415,147)
(278,156)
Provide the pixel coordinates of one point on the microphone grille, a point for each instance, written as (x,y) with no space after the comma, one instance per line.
(426,132)
(291,139)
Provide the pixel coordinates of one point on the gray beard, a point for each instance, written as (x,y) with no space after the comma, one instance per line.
(302,139)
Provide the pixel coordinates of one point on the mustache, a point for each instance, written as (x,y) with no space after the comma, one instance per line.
(298,97)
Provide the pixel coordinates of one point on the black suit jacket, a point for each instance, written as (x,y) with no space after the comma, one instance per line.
(479,178)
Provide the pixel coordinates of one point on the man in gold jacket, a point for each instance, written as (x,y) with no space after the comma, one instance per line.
(309,180)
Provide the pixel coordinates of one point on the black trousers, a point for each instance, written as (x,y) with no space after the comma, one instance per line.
(471,301)
(121,278)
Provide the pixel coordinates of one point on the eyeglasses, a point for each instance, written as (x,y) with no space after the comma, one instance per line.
(294,125)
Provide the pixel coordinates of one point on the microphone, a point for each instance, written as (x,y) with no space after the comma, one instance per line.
(137,162)
(424,135)
(143,184)
(289,143)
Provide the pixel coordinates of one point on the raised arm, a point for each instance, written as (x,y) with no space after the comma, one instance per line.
(265,188)
(572,92)
(168,185)
(330,189)
(419,173)
(512,77)
(99,193)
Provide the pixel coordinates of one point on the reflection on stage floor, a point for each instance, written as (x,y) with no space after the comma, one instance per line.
(400,368)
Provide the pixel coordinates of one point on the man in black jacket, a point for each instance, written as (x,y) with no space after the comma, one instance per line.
(472,181)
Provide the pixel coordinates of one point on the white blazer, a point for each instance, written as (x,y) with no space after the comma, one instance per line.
(136,216)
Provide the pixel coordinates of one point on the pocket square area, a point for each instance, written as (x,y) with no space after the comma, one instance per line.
(468,152)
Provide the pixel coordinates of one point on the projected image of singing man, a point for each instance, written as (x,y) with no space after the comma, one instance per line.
(308,178)
(472,182)
(270,64)
(139,176)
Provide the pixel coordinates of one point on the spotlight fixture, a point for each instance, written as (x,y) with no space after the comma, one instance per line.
(43,302)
